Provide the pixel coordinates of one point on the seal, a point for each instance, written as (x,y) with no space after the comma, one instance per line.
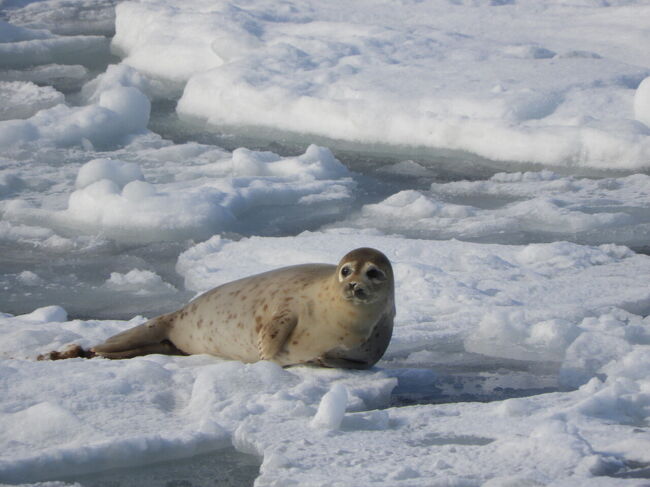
(320,314)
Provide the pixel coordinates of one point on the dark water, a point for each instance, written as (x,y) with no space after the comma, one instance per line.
(469,377)
(222,468)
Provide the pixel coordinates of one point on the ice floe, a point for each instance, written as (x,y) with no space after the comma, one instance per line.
(512,207)
(546,90)
(560,302)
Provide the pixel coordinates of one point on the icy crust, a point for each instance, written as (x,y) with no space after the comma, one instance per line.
(518,207)
(322,427)
(435,74)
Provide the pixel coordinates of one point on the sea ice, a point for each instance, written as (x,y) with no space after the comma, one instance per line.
(24,99)
(111,196)
(594,432)
(518,207)
(113,220)
(443,75)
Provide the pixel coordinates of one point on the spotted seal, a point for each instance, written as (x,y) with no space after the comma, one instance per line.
(334,316)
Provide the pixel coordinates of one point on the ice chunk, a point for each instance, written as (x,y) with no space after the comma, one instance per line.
(29,278)
(47,314)
(115,76)
(139,282)
(332,72)
(212,191)
(52,50)
(331,408)
(512,335)
(119,172)
(642,102)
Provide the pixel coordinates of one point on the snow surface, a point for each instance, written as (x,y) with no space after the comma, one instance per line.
(561,85)
(522,342)
(562,302)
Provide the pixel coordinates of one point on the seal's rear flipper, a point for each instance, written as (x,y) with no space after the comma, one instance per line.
(72,351)
(150,337)
(165,347)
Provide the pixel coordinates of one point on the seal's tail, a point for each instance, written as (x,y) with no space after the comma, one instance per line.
(150,337)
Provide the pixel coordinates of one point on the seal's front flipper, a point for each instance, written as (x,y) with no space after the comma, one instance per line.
(150,337)
(273,335)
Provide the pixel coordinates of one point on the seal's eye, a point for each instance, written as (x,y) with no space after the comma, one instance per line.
(375,274)
(345,272)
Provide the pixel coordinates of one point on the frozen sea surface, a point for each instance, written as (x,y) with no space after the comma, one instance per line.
(152,150)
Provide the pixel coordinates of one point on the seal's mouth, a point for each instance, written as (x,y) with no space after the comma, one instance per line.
(360,293)
(356,292)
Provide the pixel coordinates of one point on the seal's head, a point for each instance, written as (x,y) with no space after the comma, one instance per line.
(365,276)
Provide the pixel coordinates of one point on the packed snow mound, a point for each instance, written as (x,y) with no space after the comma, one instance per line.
(218,192)
(522,206)
(546,90)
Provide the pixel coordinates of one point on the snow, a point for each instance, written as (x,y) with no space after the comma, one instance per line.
(331,409)
(522,336)
(113,197)
(442,75)
(558,302)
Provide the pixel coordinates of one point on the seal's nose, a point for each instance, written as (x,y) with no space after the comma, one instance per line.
(356,289)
